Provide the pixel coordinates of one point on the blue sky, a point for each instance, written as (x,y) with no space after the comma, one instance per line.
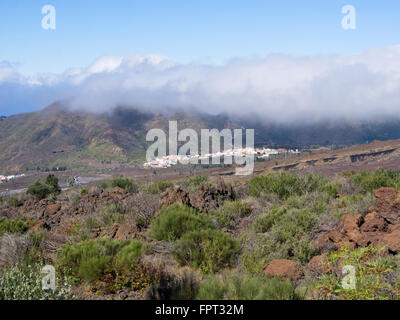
(219,55)
(211,31)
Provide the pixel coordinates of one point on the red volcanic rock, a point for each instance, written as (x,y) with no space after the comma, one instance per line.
(175,195)
(331,241)
(392,240)
(373,223)
(205,199)
(381,226)
(319,265)
(287,269)
(52,209)
(349,225)
(388,204)
(371,239)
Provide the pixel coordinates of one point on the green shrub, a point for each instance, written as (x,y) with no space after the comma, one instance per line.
(368,181)
(207,250)
(82,230)
(112,264)
(14,225)
(52,182)
(36,250)
(191,184)
(124,183)
(376,275)
(103,184)
(138,277)
(159,187)
(254,260)
(176,220)
(285,185)
(14,202)
(282,233)
(130,253)
(38,190)
(21,250)
(264,222)
(293,224)
(89,260)
(316,202)
(286,223)
(352,204)
(245,287)
(41,191)
(84,192)
(181,286)
(144,210)
(231,212)
(304,251)
(112,214)
(26,284)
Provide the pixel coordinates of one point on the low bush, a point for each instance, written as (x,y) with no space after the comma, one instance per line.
(368,180)
(130,254)
(181,286)
(287,224)
(124,183)
(116,263)
(112,214)
(103,184)
(41,191)
(376,275)
(264,222)
(52,182)
(231,212)
(176,220)
(38,190)
(207,250)
(21,249)
(352,204)
(82,229)
(89,260)
(288,184)
(286,229)
(158,187)
(230,286)
(293,224)
(14,202)
(14,225)
(144,209)
(281,233)
(191,184)
(18,283)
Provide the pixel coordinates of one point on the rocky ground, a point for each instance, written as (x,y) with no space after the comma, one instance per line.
(378,227)
(125,214)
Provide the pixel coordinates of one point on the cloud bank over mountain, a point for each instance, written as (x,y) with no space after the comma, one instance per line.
(279,87)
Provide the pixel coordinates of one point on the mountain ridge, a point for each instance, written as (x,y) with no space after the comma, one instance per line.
(56,136)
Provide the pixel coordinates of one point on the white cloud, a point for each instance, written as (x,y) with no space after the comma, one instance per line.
(279,87)
(8,73)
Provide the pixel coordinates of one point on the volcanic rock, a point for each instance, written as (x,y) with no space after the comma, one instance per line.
(287,269)
(392,240)
(206,198)
(319,265)
(380,227)
(373,223)
(388,204)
